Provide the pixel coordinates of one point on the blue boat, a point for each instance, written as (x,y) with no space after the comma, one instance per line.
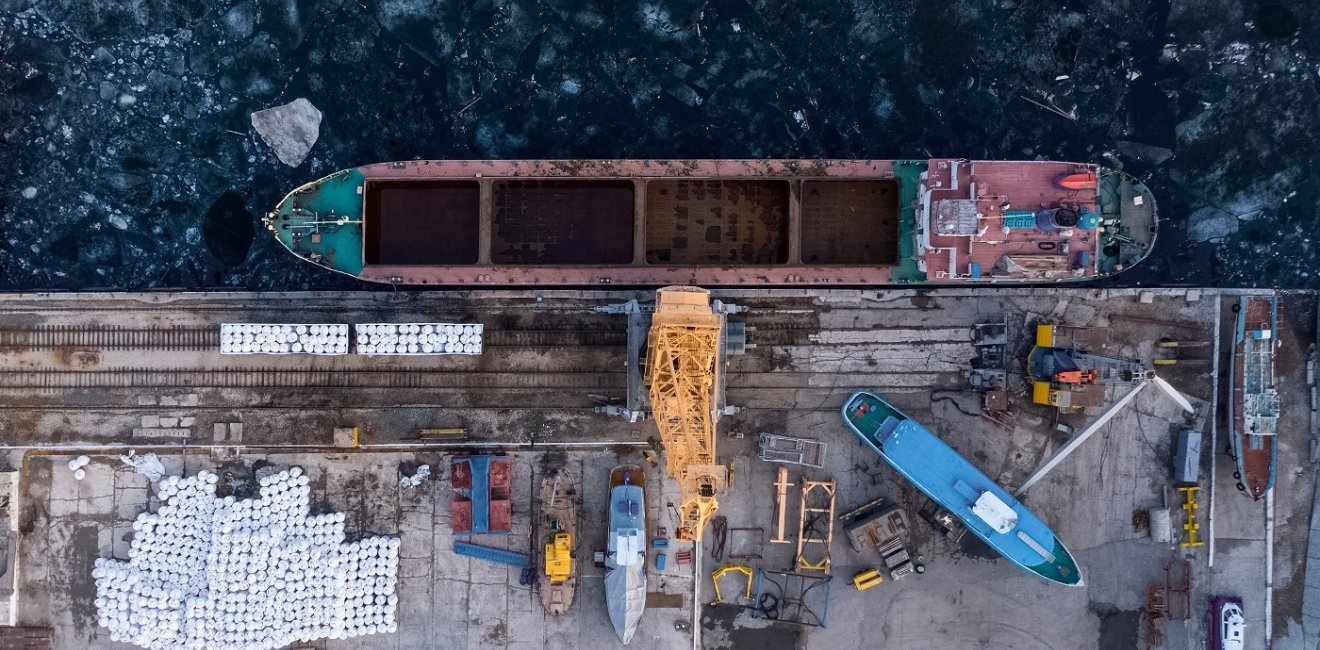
(955,484)
(625,561)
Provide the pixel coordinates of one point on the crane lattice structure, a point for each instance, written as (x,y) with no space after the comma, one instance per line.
(683,371)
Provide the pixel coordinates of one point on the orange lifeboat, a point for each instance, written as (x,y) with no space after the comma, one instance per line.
(1081,181)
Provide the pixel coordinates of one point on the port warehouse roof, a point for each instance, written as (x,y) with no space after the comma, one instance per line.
(956,484)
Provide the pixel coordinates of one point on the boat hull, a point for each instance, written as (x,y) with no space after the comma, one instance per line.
(625,558)
(1253,403)
(558,516)
(716,222)
(956,485)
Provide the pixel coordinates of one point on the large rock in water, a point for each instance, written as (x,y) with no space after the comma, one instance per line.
(290,130)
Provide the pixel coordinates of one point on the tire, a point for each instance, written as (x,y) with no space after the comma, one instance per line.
(1237,475)
(1241,487)
(1235,308)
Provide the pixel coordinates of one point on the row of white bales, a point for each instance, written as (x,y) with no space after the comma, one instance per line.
(373,339)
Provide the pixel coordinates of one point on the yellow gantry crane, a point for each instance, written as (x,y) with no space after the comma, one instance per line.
(683,358)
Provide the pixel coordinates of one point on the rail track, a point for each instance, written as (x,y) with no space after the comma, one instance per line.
(424,379)
(207,338)
(171,339)
(51,379)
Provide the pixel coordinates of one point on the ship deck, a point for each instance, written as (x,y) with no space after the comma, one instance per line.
(99,373)
(969,235)
(1253,406)
(713,222)
(953,482)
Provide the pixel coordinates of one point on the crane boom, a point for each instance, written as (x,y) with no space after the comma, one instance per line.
(683,357)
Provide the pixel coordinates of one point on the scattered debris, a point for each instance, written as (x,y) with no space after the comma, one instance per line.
(148,465)
(418,477)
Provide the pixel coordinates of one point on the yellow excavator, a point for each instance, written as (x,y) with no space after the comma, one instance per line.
(683,372)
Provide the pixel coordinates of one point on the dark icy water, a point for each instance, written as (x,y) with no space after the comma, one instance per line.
(129,159)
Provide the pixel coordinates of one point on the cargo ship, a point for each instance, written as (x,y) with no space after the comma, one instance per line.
(625,557)
(720,222)
(956,485)
(1253,405)
(557,581)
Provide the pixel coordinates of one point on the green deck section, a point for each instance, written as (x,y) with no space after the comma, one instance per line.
(908,173)
(318,208)
(1133,235)
(866,419)
(1065,572)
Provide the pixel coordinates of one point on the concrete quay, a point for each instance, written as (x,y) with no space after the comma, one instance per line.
(99,374)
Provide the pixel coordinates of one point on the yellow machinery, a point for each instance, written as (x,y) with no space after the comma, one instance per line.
(1066,376)
(683,359)
(1192,526)
(728,568)
(559,557)
(867,579)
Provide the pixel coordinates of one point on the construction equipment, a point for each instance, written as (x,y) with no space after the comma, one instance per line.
(990,340)
(943,522)
(1046,362)
(781,505)
(480,503)
(1169,352)
(1067,376)
(442,432)
(786,449)
(1192,526)
(726,569)
(867,579)
(884,528)
(559,557)
(489,554)
(789,597)
(684,356)
(816,513)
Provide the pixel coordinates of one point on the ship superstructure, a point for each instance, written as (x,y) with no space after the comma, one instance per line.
(720,222)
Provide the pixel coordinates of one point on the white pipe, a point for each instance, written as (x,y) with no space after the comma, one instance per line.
(383,446)
(696,595)
(1214,426)
(1081,437)
(1269,565)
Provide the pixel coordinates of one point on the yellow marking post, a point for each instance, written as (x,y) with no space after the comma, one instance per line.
(1190,506)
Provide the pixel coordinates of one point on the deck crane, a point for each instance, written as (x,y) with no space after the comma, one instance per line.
(684,355)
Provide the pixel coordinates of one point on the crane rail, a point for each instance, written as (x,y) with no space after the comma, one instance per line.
(203,338)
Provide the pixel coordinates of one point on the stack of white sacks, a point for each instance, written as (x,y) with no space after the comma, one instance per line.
(418,338)
(256,338)
(205,572)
